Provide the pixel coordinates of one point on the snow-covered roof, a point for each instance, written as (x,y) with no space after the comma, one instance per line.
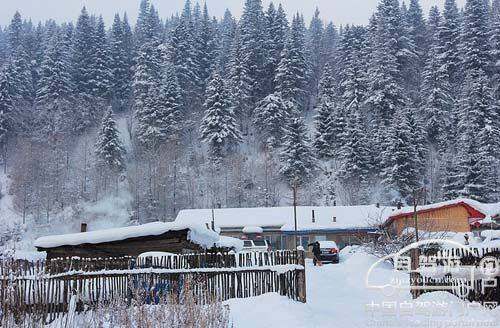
(326,217)
(489,210)
(197,234)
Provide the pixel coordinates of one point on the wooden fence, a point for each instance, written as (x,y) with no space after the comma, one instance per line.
(478,289)
(46,288)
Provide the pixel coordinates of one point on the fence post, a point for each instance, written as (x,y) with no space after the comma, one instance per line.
(301,277)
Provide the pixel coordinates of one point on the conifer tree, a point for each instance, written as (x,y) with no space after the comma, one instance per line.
(15,33)
(276,32)
(253,47)
(101,74)
(400,173)
(120,64)
(182,54)
(6,109)
(55,79)
(109,148)
(219,129)
(240,84)
(270,115)
(386,96)
(297,160)
(475,37)
(228,32)
(449,36)
(314,50)
(437,98)
(325,137)
(291,75)
(355,159)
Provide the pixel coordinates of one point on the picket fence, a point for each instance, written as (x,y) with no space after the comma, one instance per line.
(45,288)
(480,289)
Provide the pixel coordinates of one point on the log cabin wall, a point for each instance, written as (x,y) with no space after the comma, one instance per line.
(453,218)
(171,241)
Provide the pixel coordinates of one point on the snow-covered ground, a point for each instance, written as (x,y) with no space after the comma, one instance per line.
(337,297)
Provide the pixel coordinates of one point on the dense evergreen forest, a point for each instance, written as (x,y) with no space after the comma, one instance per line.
(194,111)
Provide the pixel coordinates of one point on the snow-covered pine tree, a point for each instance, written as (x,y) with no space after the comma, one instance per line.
(55,79)
(330,43)
(478,117)
(141,28)
(314,51)
(252,24)
(19,75)
(386,95)
(292,72)
(297,159)
(228,31)
(219,129)
(109,148)
(475,45)
(147,80)
(101,74)
(182,54)
(82,55)
(205,47)
(276,32)
(3,46)
(437,98)
(355,158)
(449,36)
(416,45)
(452,181)
(6,108)
(353,67)
(270,116)
(418,140)
(325,137)
(15,33)
(119,65)
(495,49)
(239,84)
(400,175)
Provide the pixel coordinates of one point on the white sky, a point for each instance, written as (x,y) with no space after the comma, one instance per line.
(339,11)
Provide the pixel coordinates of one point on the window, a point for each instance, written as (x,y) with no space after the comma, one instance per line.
(259,242)
(247,243)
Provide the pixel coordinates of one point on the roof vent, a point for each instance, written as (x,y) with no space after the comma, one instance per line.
(83,227)
(378,205)
(313,217)
(334,219)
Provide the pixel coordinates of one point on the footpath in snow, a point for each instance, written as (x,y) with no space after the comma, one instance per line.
(337,297)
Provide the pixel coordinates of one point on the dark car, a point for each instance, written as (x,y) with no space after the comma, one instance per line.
(329,251)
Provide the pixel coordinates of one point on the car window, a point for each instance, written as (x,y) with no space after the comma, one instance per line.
(259,242)
(247,243)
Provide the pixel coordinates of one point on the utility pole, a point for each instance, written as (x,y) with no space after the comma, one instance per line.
(213,218)
(294,187)
(415,278)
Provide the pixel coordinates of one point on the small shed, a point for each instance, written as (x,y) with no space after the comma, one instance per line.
(131,241)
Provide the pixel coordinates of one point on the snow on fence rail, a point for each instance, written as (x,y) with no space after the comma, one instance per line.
(458,280)
(46,288)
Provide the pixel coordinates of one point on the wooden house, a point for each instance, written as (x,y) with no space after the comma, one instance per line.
(459,215)
(132,241)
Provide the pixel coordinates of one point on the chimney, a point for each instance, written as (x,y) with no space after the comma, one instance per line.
(378,205)
(313,217)
(83,227)
(334,219)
